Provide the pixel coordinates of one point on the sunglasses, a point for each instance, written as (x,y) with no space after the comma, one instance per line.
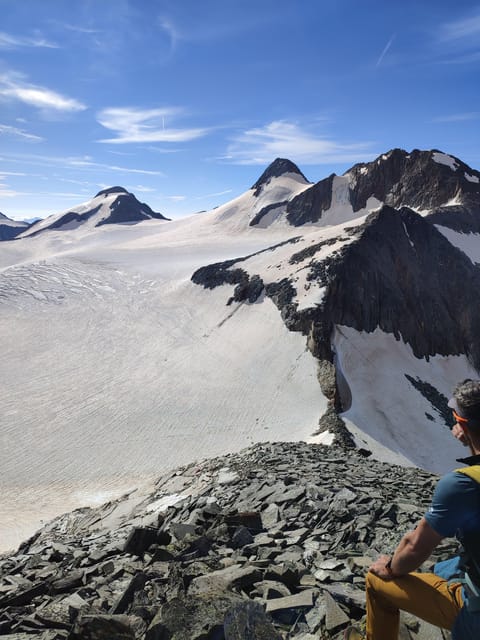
(459,419)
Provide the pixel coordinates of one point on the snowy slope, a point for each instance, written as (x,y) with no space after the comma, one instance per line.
(116,366)
(379,376)
(386,408)
(469,243)
(110,206)
(239,213)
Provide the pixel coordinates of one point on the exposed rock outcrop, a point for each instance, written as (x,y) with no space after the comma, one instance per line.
(277,168)
(399,274)
(309,205)
(10,229)
(432,182)
(403,276)
(423,180)
(276,539)
(109,206)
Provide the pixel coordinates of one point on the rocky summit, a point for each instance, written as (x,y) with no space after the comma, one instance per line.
(277,168)
(114,205)
(269,543)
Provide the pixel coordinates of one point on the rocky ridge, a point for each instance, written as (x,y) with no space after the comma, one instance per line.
(269,543)
(434,183)
(10,229)
(276,169)
(114,205)
(396,260)
(429,181)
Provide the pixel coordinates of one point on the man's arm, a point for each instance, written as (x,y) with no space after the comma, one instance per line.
(414,548)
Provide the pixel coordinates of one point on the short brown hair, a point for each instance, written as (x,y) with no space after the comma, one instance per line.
(467,395)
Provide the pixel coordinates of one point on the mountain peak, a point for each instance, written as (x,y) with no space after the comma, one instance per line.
(426,180)
(110,191)
(277,168)
(122,209)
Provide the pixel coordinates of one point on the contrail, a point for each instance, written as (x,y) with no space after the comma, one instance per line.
(387,47)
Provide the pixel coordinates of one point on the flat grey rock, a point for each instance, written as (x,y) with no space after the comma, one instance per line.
(284,533)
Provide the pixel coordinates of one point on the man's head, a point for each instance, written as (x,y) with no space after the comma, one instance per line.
(465,404)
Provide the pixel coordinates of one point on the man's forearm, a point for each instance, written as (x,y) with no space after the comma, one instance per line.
(407,557)
(414,548)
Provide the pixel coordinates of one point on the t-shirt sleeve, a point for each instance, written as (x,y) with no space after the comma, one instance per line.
(454,501)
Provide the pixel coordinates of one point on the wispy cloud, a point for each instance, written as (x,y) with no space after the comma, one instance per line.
(464,58)
(74,162)
(172,32)
(289,140)
(11,173)
(82,183)
(459,40)
(214,195)
(145,125)
(7,192)
(9,41)
(19,133)
(14,87)
(78,28)
(143,189)
(458,117)
(384,52)
(79,162)
(465,28)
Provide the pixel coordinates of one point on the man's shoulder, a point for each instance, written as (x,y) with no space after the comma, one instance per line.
(456,481)
(472,471)
(455,500)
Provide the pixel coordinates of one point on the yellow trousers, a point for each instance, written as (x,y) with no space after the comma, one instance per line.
(424,595)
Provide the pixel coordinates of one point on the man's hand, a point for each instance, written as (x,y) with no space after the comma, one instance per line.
(379,569)
(414,548)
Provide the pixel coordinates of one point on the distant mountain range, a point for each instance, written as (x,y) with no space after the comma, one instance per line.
(345,310)
(431,183)
(109,206)
(392,269)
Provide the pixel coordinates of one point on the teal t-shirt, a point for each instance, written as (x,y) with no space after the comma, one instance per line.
(455,507)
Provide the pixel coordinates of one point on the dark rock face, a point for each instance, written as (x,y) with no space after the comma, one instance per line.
(415,180)
(411,277)
(72,216)
(8,232)
(422,180)
(110,191)
(125,208)
(219,273)
(438,401)
(309,205)
(275,170)
(291,529)
(399,274)
(464,218)
(266,210)
(214,275)
(9,229)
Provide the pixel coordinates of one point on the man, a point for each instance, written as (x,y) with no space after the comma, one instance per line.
(455,511)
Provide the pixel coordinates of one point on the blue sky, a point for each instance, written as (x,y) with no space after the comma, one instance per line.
(185,103)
